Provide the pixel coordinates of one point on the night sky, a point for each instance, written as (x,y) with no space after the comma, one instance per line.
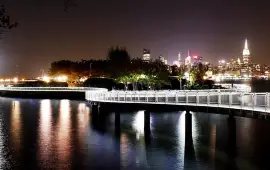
(214,29)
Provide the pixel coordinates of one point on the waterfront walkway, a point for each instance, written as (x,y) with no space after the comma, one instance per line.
(230,99)
(48,89)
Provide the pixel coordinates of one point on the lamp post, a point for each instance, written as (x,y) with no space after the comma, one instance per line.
(90,71)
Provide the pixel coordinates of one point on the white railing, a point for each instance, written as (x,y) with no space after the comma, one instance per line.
(77,89)
(219,98)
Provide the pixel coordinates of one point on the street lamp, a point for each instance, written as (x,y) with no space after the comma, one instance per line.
(90,71)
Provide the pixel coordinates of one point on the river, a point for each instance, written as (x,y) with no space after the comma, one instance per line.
(59,134)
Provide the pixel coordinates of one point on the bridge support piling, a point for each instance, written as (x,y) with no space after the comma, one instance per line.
(147,129)
(95,107)
(231,146)
(188,123)
(230,114)
(189,155)
(94,112)
(117,124)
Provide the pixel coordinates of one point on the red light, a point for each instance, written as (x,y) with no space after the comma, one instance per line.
(195,57)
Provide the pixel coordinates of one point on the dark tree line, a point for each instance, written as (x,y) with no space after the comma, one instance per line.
(118,66)
(5,21)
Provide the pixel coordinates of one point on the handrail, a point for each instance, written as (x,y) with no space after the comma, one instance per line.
(238,100)
(52,89)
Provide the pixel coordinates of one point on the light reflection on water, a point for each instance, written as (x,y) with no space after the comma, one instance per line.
(45,130)
(63,146)
(65,138)
(16,125)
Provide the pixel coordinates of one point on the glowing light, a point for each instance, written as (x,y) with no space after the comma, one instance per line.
(47,79)
(204,77)
(246,50)
(186,74)
(143,76)
(218,79)
(15,80)
(61,78)
(2,80)
(138,123)
(7,80)
(83,79)
(222,61)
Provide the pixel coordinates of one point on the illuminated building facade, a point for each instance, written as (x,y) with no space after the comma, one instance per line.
(179,59)
(146,55)
(246,54)
(163,60)
(188,61)
(197,60)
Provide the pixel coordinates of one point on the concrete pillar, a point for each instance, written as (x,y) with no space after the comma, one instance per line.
(189,154)
(147,129)
(94,113)
(188,124)
(95,108)
(117,124)
(231,144)
(231,114)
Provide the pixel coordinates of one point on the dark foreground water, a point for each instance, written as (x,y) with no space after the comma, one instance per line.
(58,134)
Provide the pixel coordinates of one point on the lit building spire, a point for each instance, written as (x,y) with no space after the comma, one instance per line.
(246,54)
(246,44)
(246,50)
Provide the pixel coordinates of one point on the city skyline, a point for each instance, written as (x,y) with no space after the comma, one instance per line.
(89,29)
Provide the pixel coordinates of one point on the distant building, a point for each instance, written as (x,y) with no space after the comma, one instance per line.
(163,60)
(188,61)
(197,60)
(246,54)
(146,55)
(176,63)
(179,59)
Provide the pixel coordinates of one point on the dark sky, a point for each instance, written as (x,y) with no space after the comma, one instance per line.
(214,29)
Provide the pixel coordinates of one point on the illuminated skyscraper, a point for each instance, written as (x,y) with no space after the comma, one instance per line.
(246,54)
(179,58)
(188,61)
(146,55)
(163,60)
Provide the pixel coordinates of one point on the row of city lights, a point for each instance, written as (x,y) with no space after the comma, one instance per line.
(60,79)
(57,78)
(43,78)
(15,80)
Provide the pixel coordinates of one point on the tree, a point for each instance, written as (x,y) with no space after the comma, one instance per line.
(119,61)
(153,74)
(196,74)
(68,4)
(5,22)
(118,55)
(180,77)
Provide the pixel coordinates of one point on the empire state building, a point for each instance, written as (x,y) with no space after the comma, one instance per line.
(246,54)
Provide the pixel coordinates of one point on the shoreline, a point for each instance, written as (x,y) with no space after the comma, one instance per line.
(71,95)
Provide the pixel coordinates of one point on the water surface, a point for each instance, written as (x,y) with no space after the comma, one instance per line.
(60,134)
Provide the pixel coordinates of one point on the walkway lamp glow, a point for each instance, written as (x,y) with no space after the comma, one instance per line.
(15,80)
(186,74)
(61,78)
(47,79)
